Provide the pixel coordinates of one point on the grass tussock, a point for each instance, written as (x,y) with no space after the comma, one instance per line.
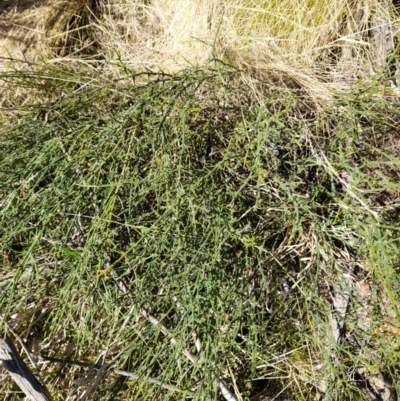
(321,46)
(232,220)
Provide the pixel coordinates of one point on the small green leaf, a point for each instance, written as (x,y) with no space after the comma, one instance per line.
(71,252)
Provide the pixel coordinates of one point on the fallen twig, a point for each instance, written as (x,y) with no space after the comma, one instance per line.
(192,358)
(323,160)
(20,373)
(341,300)
(106,368)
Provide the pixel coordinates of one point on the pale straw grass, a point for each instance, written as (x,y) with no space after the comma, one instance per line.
(323,47)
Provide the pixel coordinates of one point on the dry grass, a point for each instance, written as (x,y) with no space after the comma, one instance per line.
(33,27)
(318,45)
(321,46)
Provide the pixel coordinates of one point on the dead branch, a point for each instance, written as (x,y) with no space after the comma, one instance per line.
(20,373)
(106,368)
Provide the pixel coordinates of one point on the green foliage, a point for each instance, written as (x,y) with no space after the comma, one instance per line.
(203,202)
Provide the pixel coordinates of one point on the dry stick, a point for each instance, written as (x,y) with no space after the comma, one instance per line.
(24,347)
(91,382)
(106,368)
(192,358)
(23,51)
(320,156)
(102,369)
(20,373)
(341,300)
(348,188)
